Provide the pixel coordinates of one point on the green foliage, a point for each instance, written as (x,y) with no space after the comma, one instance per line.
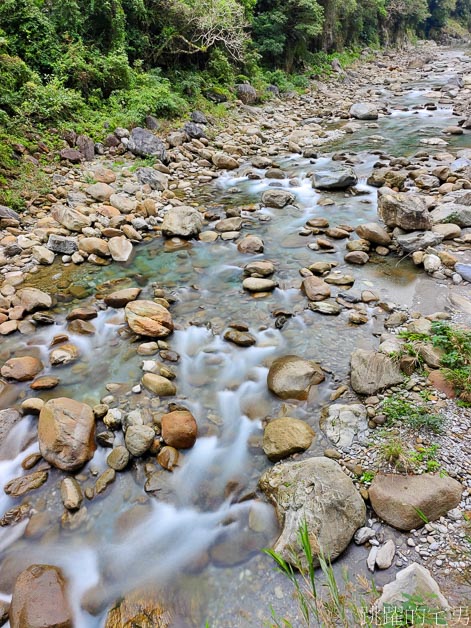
(367,477)
(49,103)
(396,408)
(414,611)
(456,344)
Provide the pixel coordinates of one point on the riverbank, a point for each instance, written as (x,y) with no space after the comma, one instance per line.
(171,351)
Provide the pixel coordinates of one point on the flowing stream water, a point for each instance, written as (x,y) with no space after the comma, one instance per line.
(200,538)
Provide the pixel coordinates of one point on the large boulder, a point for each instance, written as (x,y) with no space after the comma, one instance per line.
(21,369)
(147,318)
(62,244)
(66,433)
(285,436)
(404,210)
(290,377)
(8,214)
(315,491)
(418,240)
(143,143)
(154,178)
(8,418)
(120,248)
(224,161)
(277,198)
(452,213)
(182,222)
(40,599)
(32,299)
(121,298)
(70,218)
(364,111)
(246,93)
(342,422)
(412,582)
(403,501)
(335,180)
(372,372)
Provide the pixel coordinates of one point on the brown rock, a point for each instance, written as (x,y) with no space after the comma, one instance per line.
(121,298)
(438,381)
(290,377)
(179,429)
(404,500)
(66,433)
(40,599)
(168,458)
(315,289)
(147,318)
(20,486)
(159,385)
(21,369)
(45,383)
(285,436)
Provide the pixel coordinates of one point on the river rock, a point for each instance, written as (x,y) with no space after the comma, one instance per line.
(155,179)
(277,198)
(398,499)
(357,257)
(8,418)
(179,429)
(21,369)
(62,244)
(143,143)
(42,255)
(118,458)
(374,232)
(316,491)
(290,377)
(250,244)
(405,210)
(8,214)
(147,318)
(240,338)
(97,246)
(70,218)
(64,355)
(315,288)
(26,483)
(328,308)
(222,161)
(100,192)
(385,555)
(159,385)
(364,111)
(71,494)
(342,422)
(285,436)
(120,248)
(452,213)
(138,439)
(256,284)
(66,433)
(336,180)
(464,270)
(168,457)
(182,222)
(246,93)
(40,599)
(121,298)
(412,582)
(32,299)
(418,240)
(372,372)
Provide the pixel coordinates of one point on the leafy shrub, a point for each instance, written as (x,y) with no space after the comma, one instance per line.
(149,95)
(86,69)
(416,416)
(50,103)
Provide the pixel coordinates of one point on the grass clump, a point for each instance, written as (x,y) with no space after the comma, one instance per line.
(415,416)
(456,361)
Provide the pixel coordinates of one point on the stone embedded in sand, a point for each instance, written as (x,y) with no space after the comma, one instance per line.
(285,436)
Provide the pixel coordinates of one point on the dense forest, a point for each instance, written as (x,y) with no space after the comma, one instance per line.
(91,62)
